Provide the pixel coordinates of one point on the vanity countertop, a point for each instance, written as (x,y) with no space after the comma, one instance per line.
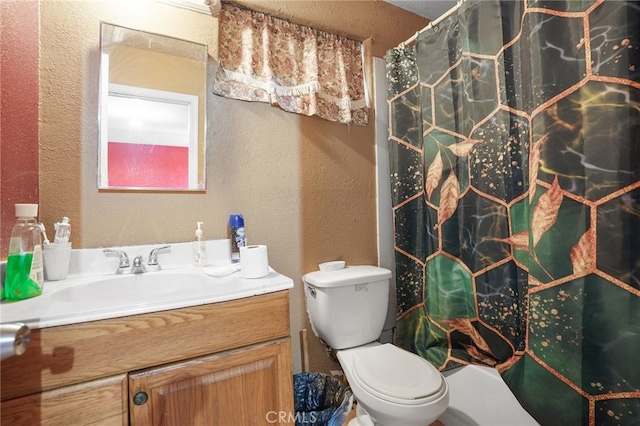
(59,304)
(86,297)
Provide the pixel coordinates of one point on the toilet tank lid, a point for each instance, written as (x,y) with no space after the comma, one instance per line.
(350,275)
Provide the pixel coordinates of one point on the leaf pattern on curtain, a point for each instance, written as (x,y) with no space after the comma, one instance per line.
(448,198)
(545,212)
(515,176)
(434,174)
(300,69)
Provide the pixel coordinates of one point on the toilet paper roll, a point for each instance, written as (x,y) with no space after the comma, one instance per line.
(254,261)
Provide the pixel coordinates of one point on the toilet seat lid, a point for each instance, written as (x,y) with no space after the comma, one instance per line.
(396,375)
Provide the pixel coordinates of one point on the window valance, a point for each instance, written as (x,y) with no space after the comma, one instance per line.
(300,69)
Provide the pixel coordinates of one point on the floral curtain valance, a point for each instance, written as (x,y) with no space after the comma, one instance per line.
(300,69)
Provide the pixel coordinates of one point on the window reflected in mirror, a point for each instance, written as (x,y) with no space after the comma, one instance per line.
(152,111)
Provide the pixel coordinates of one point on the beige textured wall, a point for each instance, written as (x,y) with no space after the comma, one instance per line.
(306,186)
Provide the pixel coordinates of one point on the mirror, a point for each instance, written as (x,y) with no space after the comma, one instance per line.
(152,111)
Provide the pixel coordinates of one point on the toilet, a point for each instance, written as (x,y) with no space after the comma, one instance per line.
(347,308)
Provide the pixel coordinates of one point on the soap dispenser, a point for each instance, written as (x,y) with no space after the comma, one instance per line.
(24,277)
(199,249)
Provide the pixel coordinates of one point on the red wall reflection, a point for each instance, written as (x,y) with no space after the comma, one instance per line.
(19,86)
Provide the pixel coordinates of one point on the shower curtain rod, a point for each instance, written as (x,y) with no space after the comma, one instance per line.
(433,23)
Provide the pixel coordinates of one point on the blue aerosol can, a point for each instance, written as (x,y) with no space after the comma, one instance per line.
(237,235)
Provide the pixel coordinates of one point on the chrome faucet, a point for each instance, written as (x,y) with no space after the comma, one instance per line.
(138,267)
(152,264)
(123,266)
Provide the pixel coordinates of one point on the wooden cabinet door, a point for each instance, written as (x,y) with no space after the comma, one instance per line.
(247,386)
(99,402)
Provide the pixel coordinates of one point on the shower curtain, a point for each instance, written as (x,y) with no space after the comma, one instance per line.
(515,178)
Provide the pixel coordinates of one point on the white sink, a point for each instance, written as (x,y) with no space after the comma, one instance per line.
(135,289)
(89,298)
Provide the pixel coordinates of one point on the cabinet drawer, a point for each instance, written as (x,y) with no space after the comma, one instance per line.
(102,402)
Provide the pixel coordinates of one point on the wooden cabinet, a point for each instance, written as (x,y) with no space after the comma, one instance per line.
(237,387)
(220,364)
(102,401)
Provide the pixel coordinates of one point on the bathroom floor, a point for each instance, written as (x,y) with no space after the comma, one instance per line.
(352,414)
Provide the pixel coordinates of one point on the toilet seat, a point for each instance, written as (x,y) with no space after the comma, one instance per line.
(397,376)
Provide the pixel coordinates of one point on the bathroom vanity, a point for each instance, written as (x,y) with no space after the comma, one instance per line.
(170,347)
(214,364)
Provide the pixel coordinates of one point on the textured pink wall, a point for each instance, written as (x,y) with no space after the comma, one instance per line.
(19,41)
(164,166)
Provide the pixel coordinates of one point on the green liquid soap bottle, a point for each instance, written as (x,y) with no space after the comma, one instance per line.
(25,274)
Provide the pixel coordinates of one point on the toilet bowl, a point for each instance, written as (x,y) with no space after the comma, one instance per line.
(393,387)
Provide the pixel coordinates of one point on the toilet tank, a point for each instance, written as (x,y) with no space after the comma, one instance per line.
(348,307)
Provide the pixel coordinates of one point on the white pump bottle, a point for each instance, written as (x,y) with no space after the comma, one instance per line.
(199,250)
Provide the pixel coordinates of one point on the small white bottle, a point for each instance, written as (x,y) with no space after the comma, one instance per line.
(63,231)
(199,250)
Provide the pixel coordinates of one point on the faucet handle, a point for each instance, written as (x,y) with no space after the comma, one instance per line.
(153,256)
(124,258)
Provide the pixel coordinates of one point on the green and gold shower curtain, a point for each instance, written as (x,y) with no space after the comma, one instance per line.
(515,173)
